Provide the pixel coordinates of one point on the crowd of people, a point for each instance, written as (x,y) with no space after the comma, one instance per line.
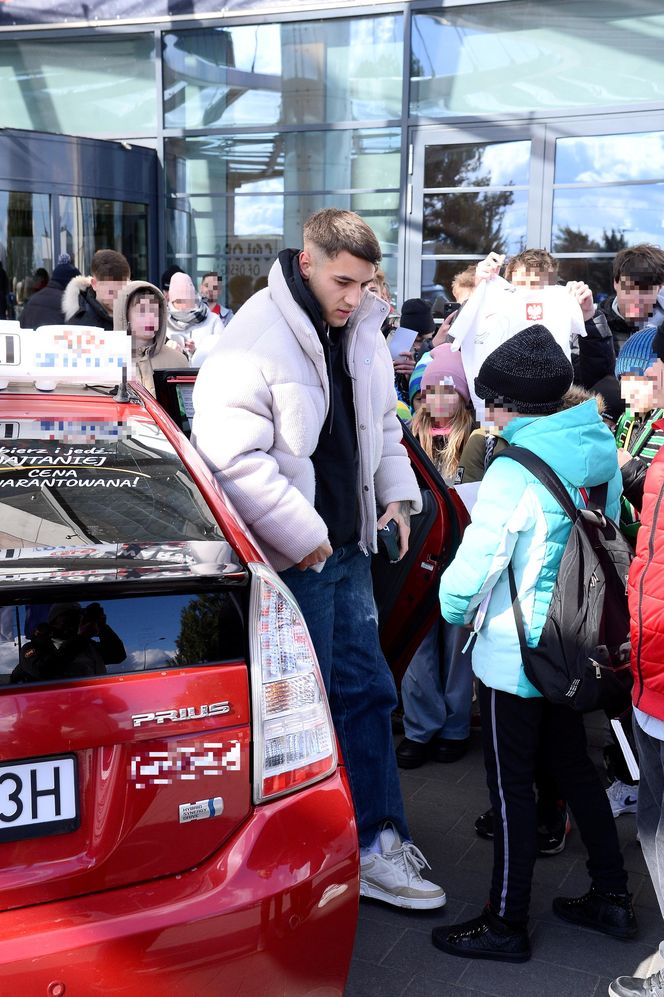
(308,391)
(172,326)
(303,382)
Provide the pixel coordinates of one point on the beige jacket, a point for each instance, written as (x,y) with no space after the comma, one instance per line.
(158,355)
(260,402)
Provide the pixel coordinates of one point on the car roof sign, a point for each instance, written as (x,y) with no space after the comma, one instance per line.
(63,354)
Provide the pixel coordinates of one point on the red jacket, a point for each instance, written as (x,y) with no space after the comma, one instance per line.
(645,590)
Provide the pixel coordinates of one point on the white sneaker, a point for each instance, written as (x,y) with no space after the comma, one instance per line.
(393,874)
(623,798)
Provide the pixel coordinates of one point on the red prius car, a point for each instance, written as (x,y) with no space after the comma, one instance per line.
(174,818)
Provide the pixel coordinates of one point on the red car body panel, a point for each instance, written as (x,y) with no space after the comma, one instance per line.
(258,900)
(273,912)
(131,780)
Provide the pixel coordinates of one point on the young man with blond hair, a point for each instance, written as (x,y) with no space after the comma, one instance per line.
(295,415)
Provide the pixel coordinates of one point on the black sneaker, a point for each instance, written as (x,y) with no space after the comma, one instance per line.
(610,913)
(551,837)
(484,825)
(485,937)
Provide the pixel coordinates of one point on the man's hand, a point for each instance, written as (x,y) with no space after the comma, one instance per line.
(321,553)
(404,364)
(400,513)
(488,267)
(582,293)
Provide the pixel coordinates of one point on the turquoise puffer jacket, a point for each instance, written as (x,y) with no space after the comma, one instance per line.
(516,519)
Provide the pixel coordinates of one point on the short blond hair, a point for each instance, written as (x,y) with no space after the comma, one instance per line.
(536,261)
(334,231)
(464,281)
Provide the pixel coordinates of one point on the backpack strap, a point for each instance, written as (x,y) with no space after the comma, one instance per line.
(597,497)
(541,470)
(518,614)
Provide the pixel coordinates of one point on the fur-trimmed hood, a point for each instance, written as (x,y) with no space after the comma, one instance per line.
(576,395)
(70,296)
(121,309)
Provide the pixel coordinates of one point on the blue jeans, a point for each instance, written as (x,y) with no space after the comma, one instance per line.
(340,612)
(435,704)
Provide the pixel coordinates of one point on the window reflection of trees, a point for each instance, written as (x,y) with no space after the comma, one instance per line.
(463,221)
(211,628)
(595,272)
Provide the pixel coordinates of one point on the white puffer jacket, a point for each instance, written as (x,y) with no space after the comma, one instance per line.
(260,402)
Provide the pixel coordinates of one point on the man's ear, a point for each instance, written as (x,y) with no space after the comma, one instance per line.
(306,263)
(93,283)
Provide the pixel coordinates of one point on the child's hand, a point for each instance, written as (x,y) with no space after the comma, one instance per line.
(489,267)
(582,293)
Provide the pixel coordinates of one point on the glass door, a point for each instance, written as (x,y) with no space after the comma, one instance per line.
(470,192)
(581,187)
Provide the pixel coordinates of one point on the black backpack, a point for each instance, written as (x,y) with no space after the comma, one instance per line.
(582,658)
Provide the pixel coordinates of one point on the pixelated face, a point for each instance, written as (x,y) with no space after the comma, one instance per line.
(656,373)
(337,284)
(441,401)
(143,318)
(637,392)
(210,289)
(498,416)
(182,304)
(642,393)
(527,277)
(634,302)
(107,291)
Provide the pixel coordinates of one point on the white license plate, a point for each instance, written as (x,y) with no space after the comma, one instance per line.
(38,797)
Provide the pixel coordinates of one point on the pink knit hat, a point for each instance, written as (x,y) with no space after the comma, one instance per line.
(181,287)
(446,367)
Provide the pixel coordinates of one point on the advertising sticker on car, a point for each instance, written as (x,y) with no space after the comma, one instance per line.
(38,796)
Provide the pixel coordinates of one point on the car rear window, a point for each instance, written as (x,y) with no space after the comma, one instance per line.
(125,486)
(51,641)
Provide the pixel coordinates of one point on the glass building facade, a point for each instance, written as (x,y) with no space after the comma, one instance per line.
(453,128)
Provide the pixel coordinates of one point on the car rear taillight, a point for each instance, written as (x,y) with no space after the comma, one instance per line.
(294,741)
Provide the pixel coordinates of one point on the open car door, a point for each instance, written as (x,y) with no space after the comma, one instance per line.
(406,592)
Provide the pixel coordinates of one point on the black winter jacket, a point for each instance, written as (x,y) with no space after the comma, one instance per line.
(91,312)
(43,308)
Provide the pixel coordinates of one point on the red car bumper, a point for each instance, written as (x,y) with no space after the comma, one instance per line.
(273,912)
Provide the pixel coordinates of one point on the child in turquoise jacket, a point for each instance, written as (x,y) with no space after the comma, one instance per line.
(516,520)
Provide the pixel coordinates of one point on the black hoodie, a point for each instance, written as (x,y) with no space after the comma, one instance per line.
(335,458)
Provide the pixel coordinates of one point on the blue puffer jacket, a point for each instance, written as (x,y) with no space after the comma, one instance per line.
(515,518)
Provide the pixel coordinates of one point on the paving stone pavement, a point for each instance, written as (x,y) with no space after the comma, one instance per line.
(393,954)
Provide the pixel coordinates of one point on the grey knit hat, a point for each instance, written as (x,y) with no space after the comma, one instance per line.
(529,373)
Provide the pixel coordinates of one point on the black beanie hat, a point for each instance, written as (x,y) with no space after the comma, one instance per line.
(416,314)
(609,388)
(63,273)
(166,276)
(528,372)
